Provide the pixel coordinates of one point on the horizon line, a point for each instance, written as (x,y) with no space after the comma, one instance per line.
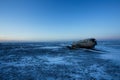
(55,40)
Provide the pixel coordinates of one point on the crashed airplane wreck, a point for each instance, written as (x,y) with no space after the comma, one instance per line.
(86,43)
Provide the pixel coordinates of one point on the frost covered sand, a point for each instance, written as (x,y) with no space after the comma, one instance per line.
(52,61)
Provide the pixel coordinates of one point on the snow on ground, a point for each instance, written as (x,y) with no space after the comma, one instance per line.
(56,63)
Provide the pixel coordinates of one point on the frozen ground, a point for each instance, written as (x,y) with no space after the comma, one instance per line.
(52,61)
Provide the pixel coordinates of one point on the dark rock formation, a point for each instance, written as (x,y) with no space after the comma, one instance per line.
(86,43)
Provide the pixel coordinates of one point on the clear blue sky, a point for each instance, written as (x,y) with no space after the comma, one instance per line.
(39,20)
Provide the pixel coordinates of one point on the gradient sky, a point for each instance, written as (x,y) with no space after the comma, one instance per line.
(39,20)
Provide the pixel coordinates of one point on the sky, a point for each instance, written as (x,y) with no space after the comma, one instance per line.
(46,20)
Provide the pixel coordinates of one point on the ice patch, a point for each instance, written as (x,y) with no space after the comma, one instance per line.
(112,54)
(56,60)
(36,60)
(24,61)
(99,73)
(115,56)
(53,60)
(50,47)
